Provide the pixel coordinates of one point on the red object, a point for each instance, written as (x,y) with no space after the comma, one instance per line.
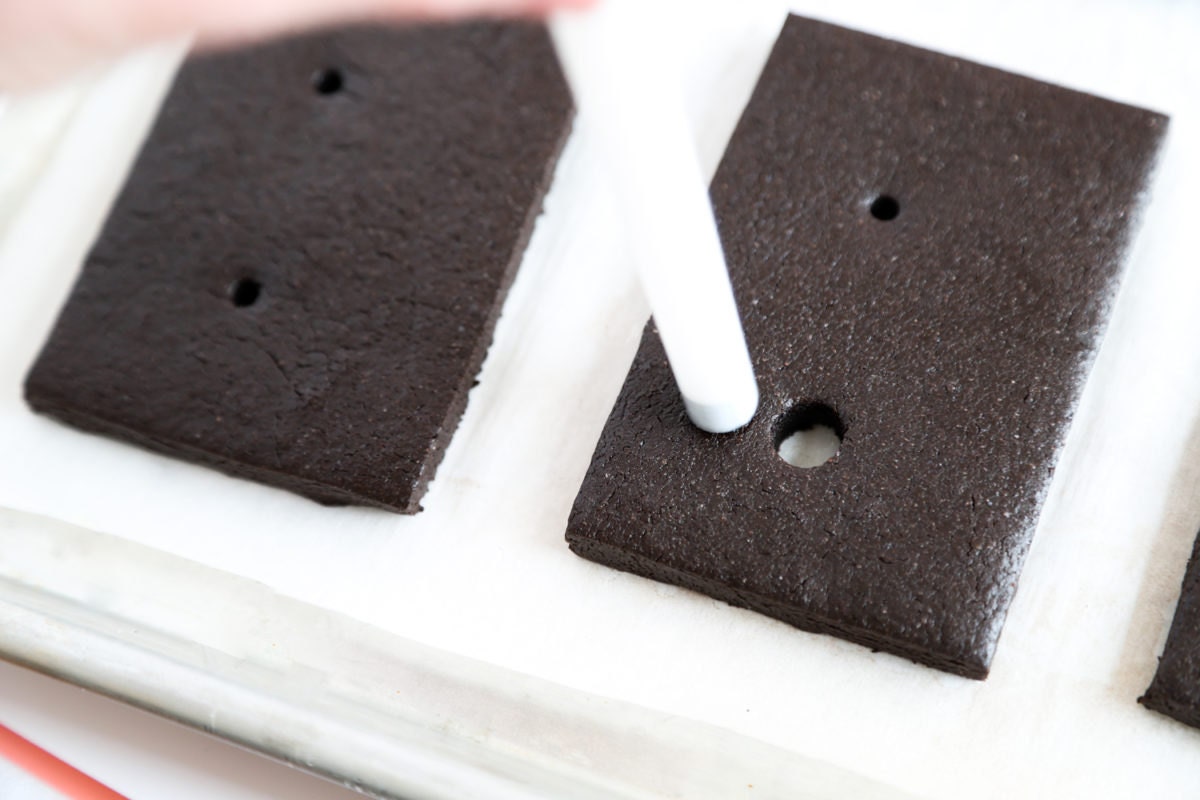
(52,771)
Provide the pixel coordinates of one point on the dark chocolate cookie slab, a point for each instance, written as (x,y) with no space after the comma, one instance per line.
(1175,690)
(301,278)
(924,251)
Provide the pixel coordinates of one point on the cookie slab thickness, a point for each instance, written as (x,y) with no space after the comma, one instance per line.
(1175,690)
(301,278)
(924,252)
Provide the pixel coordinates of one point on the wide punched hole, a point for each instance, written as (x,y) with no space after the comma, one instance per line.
(809,434)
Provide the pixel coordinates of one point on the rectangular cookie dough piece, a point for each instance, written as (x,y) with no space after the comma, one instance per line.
(1175,690)
(300,280)
(924,251)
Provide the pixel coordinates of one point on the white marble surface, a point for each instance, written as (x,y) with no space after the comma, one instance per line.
(484,573)
(18,785)
(139,754)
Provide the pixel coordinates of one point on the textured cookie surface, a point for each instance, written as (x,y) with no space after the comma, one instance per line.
(301,278)
(1175,690)
(924,251)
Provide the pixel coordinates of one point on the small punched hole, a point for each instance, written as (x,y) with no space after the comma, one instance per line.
(328,81)
(885,208)
(809,435)
(245,292)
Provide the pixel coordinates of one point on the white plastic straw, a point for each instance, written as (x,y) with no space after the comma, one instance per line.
(631,99)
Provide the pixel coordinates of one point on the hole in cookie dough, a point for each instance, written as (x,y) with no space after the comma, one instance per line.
(809,435)
(328,81)
(245,292)
(885,208)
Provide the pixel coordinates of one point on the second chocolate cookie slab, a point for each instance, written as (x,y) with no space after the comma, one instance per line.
(924,251)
